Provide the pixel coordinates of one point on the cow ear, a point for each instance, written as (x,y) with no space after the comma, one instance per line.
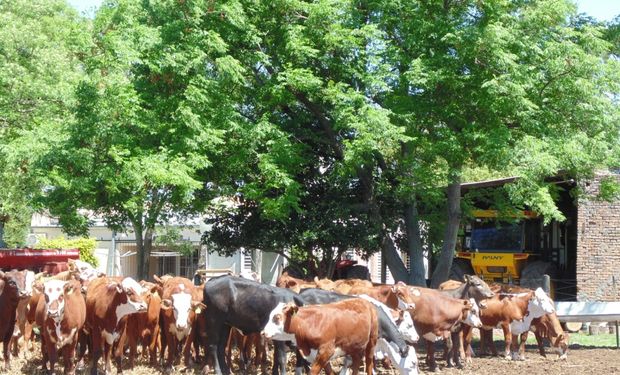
(166,304)
(115,286)
(158,280)
(38,286)
(69,289)
(290,309)
(198,306)
(156,289)
(466,278)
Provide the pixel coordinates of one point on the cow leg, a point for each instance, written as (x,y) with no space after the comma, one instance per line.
(200,341)
(53,358)
(218,351)
(448,349)
(83,342)
(467,336)
(187,350)
(455,351)
(523,339)
(355,365)
(321,362)
(346,364)
(300,363)
(6,340)
(28,344)
(107,357)
(540,342)
(152,341)
(514,347)
(369,356)
(279,359)
(14,343)
(430,355)
(132,341)
(68,353)
(172,352)
(96,347)
(507,340)
(44,353)
(490,343)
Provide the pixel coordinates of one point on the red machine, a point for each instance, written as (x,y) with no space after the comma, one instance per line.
(50,261)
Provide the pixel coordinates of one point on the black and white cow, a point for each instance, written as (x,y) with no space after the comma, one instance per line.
(244,304)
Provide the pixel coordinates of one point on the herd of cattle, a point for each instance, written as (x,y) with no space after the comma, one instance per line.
(80,314)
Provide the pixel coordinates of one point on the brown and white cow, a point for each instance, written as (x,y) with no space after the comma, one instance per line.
(108,300)
(513,312)
(12,290)
(436,315)
(143,327)
(323,332)
(178,312)
(61,315)
(548,327)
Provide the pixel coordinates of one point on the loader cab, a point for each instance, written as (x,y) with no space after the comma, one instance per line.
(520,248)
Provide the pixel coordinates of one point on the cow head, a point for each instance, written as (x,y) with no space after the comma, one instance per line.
(477,288)
(83,271)
(279,319)
(183,308)
(540,304)
(53,291)
(471,313)
(14,284)
(560,345)
(130,299)
(406,295)
(406,327)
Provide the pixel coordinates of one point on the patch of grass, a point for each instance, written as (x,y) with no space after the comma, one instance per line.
(583,339)
(578,339)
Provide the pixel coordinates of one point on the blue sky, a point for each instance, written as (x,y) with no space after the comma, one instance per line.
(600,9)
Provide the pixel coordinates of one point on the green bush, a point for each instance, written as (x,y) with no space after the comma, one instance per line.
(85,245)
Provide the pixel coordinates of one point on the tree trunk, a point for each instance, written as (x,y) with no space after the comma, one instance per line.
(393,260)
(442,271)
(144,244)
(414,245)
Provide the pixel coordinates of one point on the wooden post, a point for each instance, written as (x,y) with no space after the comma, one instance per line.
(617,336)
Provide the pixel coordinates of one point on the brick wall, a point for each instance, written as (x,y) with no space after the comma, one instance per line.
(598,245)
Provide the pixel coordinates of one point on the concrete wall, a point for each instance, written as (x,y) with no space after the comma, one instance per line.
(598,245)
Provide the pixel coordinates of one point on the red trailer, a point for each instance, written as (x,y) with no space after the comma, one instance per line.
(50,261)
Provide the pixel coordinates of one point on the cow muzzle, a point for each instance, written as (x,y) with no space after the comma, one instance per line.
(54,314)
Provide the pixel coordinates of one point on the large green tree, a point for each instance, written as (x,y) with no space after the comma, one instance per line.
(41,45)
(152,114)
(315,138)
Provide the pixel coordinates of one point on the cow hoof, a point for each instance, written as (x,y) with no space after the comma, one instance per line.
(563,357)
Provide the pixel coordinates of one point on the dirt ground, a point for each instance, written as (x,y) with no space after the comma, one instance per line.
(581,360)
